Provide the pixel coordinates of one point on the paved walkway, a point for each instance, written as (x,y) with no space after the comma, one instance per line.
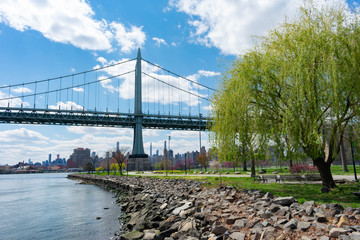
(148,174)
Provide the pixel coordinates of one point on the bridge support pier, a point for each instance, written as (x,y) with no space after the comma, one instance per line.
(138,160)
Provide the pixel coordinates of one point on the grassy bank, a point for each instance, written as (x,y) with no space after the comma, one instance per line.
(342,194)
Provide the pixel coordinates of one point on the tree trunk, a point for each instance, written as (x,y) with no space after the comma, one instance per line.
(244,166)
(121,173)
(343,157)
(325,173)
(291,163)
(252,167)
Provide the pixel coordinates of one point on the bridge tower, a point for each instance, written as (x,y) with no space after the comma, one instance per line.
(138,160)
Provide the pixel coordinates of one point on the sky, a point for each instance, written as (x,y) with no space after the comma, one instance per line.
(197,39)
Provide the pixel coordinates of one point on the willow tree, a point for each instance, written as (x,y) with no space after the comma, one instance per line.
(302,81)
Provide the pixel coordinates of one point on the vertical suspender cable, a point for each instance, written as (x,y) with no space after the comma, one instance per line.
(22,95)
(88,95)
(47,94)
(84,93)
(60,92)
(95,95)
(35,94)
(118,93)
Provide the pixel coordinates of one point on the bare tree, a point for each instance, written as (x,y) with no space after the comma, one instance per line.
(119,156)
(204,159)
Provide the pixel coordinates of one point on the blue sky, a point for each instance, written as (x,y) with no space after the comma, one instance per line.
(42,39)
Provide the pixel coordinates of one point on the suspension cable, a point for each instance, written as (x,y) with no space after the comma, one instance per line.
(69,75)
(175,87)
(76,86)
(179,75)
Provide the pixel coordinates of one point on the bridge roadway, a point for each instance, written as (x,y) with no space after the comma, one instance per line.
(100,119)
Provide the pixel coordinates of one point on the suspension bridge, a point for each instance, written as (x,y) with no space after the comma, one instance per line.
(103,97)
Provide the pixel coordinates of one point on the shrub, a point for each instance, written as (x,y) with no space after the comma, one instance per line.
(303,168)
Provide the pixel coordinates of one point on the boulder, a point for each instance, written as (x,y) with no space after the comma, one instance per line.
(336,232)
(183,207)
(344,221)
(284,201)
(237,236)
(134,235)
(303,226)
(219,230)
(292,224)
(239,224)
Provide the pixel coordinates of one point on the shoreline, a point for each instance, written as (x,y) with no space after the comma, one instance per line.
(182,209)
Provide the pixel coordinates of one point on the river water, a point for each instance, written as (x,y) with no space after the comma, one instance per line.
(50,206)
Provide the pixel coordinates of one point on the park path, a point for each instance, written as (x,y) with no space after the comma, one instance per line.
(149,174)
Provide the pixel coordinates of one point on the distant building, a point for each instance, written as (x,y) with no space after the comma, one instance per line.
(171,153)
(80,157)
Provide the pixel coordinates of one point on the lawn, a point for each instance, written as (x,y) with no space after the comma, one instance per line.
(342,193)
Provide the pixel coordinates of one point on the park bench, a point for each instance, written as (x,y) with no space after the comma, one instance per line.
(265,178)
(259,178)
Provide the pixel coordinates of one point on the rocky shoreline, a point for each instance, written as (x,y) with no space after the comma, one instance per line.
(181,209)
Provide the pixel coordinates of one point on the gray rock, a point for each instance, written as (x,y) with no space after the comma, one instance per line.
(344,237)
(309,210)
(150,234)
(185,213)
(239,224)
(219,230)
(355,236)
(134,235)
(303,226)
(232,219)
(320,217)
(274,208)
(237,236)
(292,224)
(181,208)
(324,238)
(269,233)
(336,232)
(168,223)
(284,201)
(307,238)
(319,226)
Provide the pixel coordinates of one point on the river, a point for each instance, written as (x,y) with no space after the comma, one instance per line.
(50,206)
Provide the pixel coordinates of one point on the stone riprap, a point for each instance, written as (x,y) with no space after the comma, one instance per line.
(181,209)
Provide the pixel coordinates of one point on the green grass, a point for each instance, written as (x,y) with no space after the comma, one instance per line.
(342,193)
(336,170)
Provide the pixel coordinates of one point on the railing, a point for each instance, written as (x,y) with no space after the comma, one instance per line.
(101,119)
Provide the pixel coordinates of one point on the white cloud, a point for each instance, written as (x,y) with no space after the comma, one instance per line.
(159,41)
(69,105)
(106,83)
(181,142)
(21,90)
(78,89)
(66,21)
(99,130)
(173,44)
(102,60)
(73,69)
(208,108)
(154,91)
(15,102)
(70,22)
(21,135)
(231,25)
(128,39)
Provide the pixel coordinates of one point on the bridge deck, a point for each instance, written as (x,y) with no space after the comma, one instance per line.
(101,119)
